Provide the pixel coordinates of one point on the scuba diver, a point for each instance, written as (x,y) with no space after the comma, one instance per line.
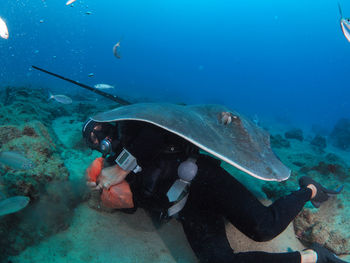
(145,165)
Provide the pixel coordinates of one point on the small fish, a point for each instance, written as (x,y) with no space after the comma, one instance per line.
(70,2)
(88,13)
(344,24)
(13,204)
(60,98)
(15,160)
(4,33)
(256,119)
(103,86)
(116,49)
(91,75)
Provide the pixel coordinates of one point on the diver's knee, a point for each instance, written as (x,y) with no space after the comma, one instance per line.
(263,235)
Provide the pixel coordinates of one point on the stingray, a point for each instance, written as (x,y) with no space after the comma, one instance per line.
(239,142)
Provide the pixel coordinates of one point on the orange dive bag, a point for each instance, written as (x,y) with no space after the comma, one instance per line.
(117,196)
(94,170)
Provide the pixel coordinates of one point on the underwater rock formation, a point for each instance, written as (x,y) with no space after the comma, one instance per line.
(319,142)
(294,134)
(25,127)
(35,142)
(340,135)
(328,226)
(326,168)
(21,105)
(277,141)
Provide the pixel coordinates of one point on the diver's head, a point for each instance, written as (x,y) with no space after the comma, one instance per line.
(100,136)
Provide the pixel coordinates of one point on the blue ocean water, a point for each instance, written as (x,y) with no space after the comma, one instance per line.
(281,59)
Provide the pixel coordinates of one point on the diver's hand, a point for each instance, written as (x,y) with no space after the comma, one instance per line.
(111,176)
(324,255)
(92,186)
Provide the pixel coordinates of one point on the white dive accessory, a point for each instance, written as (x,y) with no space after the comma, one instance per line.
(178,192)
(128,162)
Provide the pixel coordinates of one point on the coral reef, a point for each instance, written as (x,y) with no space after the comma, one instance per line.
(319,227)
(25,127)
(34,141)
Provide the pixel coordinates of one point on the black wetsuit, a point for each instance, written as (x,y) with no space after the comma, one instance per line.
(214,195)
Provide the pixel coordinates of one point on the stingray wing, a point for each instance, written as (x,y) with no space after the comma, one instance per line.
(240,143)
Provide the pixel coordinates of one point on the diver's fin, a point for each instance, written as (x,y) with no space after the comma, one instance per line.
(322,194)
(334,192)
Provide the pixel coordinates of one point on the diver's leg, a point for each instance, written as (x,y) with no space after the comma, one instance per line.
(206,234)
(245,211)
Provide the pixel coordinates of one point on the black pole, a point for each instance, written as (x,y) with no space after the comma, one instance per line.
(97,91)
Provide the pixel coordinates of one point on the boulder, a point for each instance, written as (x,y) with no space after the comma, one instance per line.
(277,141)
(319,142)
(295,134)
(340,135)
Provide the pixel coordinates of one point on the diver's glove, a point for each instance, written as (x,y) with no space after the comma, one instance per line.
(324,255)
(322,194)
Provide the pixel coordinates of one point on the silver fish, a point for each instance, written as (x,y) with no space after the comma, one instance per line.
(70,2)
(60,98)
(116,49)
(4,33)
(13,204)
(15,160)
(103,86)
(344,24)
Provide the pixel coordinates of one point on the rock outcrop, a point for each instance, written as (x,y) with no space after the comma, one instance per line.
(295,134)
(340,136)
